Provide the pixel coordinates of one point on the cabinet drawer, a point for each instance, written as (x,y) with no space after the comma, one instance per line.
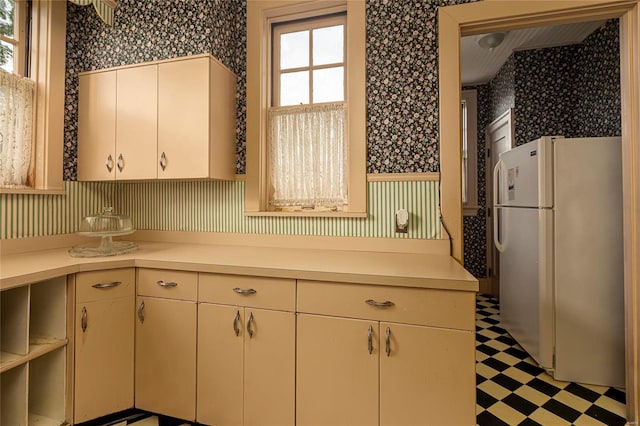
(101,285)
(255,292)
(437,308)
(168,284)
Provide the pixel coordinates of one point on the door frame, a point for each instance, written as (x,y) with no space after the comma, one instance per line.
(505,119)
(491,16)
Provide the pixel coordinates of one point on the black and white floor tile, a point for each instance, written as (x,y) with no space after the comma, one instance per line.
(512,390)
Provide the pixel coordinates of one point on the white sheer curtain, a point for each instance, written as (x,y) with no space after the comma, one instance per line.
(308,155)
(16,116)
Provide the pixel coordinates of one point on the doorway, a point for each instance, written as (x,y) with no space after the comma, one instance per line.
(485,17)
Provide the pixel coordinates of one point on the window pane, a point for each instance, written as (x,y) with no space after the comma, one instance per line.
(328,45)
(294,50)
(6,56)
(7,8)
(294,88)
(328,85)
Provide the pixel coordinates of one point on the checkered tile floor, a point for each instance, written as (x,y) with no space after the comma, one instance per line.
(512,390)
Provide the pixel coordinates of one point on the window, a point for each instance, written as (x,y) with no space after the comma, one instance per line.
(469,152)
(306,108)
(13,40)
(307,144)
(32,44)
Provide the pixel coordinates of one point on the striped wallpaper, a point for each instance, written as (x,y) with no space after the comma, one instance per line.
(213,206)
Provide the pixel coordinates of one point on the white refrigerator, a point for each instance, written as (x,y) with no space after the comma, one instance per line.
(558,228)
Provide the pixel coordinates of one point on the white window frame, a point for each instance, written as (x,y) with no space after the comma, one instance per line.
(19,39)
(47,68)
(261,15)
(470,152)
(309,25)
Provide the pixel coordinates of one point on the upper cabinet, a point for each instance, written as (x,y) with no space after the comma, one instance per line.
(171,119)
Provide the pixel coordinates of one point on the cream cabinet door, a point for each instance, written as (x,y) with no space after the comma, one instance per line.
(427,376)
(103,357)
(97,126)
(165,367)
(137,122)
(220,364)
(246,366)
(337,371)
(269,368)
(183,119)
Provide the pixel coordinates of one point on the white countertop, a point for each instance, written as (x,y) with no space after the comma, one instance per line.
(394,269)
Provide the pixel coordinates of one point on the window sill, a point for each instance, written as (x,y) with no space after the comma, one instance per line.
(470,210)
(32,191)
(356,215)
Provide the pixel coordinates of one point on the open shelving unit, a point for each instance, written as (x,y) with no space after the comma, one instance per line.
(33,340)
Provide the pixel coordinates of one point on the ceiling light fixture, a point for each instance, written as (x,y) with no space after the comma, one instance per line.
(491,41)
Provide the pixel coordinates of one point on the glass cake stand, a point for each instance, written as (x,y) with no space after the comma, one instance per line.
(105,226)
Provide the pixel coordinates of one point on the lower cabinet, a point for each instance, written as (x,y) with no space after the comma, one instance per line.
(246,364)
(104,325)
(379,370)
(165,367)
(337,372)
(246,352)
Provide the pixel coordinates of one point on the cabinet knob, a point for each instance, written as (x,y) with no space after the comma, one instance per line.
(163,161)
(83,320)
(109,163)
(120,162)
(140,311)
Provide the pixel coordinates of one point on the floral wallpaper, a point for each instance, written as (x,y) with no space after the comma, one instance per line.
(402,85)
(572,91)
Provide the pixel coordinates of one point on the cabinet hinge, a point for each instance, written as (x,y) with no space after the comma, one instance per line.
(488,152)
(488,211)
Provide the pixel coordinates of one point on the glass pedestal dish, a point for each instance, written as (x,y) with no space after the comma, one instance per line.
(105,226)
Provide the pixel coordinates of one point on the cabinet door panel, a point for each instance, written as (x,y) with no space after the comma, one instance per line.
(137,122)
(96,126)
(337,378)
(269,371)
(165,368)
(220,365)
(103,358)
(428,377)
(183,118)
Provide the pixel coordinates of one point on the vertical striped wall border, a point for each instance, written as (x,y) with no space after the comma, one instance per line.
(36,215)
(212,206)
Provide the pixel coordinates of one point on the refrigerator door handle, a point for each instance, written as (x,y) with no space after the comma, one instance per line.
(496,206)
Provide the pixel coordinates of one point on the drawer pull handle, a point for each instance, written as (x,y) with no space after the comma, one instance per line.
(107,285)
(249,330)
(120,163)
(370,340)
(245,292)
(385,304)
(236,329)
(388,341)
(83,320)
(167,284)
(140,311)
